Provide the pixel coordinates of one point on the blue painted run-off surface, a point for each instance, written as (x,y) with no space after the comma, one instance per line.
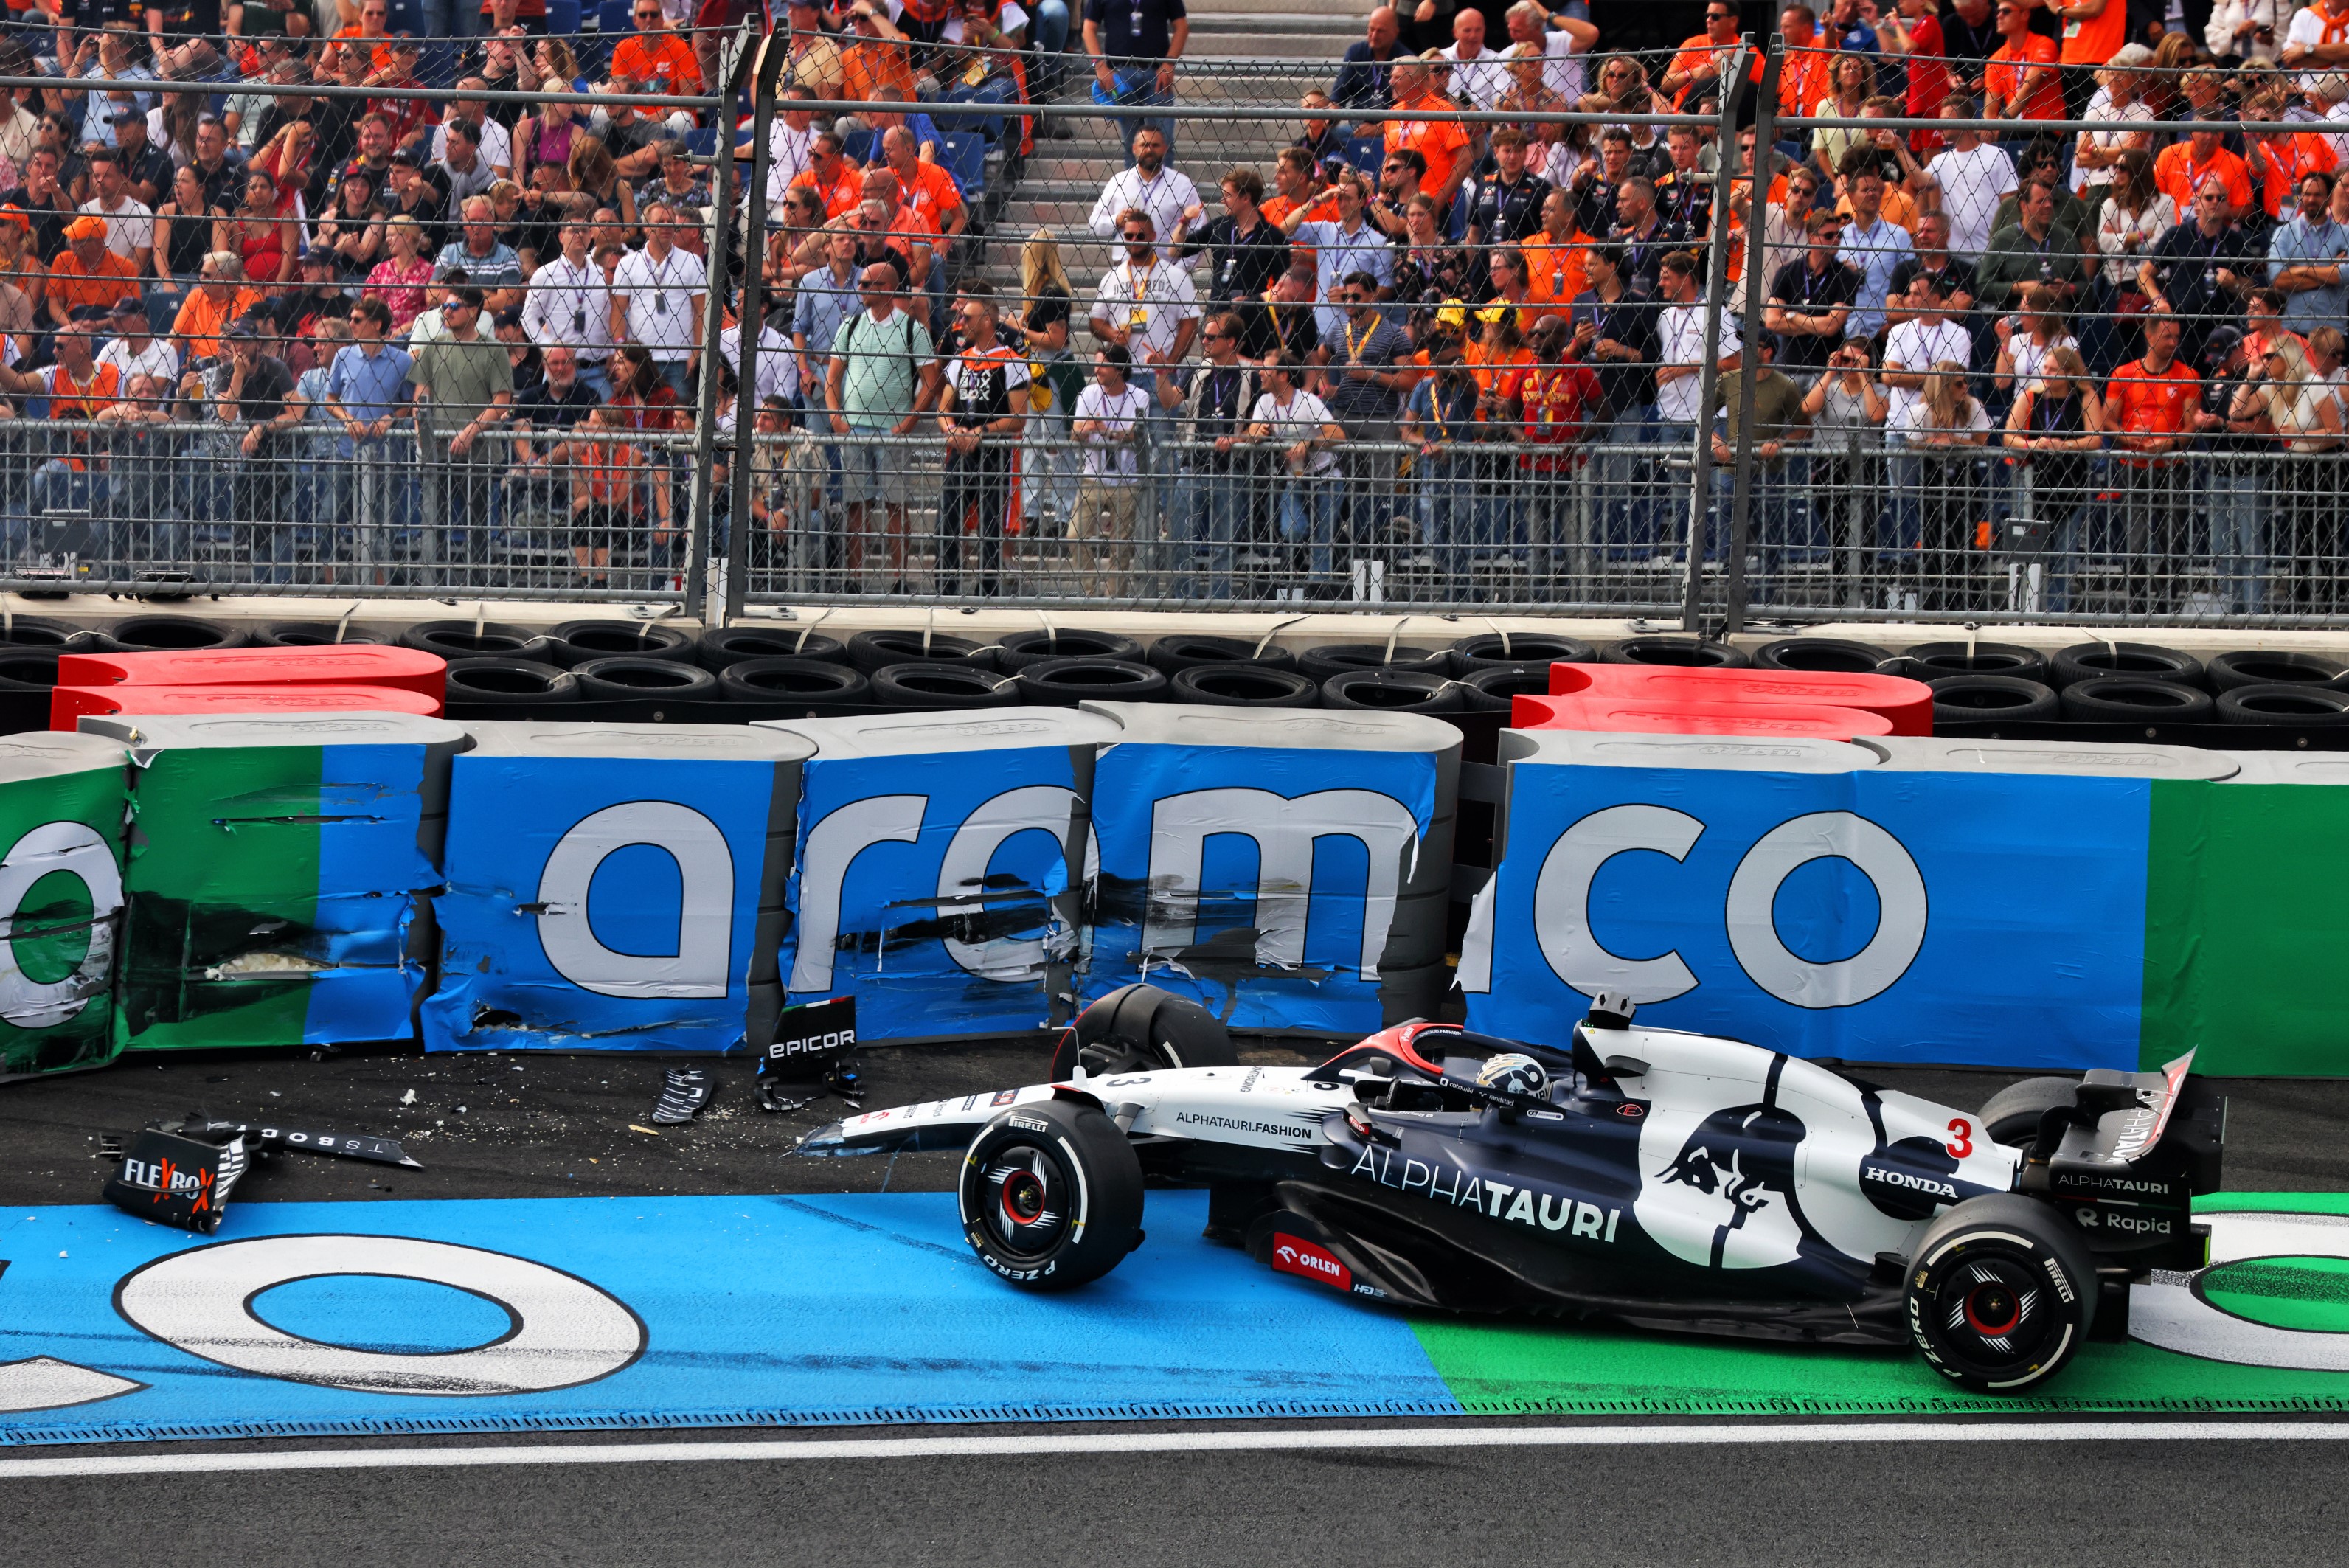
(755,1311)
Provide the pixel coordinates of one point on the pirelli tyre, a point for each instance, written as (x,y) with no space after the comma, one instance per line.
(1821,655)
(723,646)
(874,651)
(2255,667)
(1319,664)
(1685,652)
(1065,683)
(2304,706)
(1194,650)
(1142,1029)
(1245,686)
(2011,1115)
(1980,699)
(2001,1294)
(575,642)
(1019,649)
(1494,650)
(2090,660)
(624,678)
(2135,700)
(1051,1196)
(1932,660)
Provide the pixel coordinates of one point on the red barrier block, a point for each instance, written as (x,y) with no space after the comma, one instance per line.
(344,664)
(69,704)
(1907,704)
(1634,715)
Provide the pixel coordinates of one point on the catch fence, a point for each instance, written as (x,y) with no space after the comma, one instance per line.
(1471,333)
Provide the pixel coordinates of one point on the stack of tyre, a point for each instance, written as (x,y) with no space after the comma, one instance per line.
(2137,685)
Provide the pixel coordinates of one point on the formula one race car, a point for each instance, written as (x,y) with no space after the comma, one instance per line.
(1658,1178)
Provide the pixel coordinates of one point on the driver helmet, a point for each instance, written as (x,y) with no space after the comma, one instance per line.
(1514,1073)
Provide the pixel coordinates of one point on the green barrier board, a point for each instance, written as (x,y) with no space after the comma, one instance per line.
(61,799)
(1538,1369)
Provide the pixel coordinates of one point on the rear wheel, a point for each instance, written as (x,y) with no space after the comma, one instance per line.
(1142,1029)
(1052,1195)
(2001,1295)
(2012,1116)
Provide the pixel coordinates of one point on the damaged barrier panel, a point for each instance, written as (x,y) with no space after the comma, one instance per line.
(1286,871)
(1892,899)
(614,887)
(278,868)
(61,805)
(932,877)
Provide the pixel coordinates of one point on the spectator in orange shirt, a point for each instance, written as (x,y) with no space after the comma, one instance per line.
(371,37)
(1803,80)
(832,176)
(655,58)
(2020,81)
(2283,158)
(218,299)
(2148,405)
(2183,167)
(1554,258)
(929,190)
(874,55)
(1696,69)
(88,276)
(1443,143)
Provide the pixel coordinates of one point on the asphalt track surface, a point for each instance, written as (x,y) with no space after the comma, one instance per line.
(1727,1492)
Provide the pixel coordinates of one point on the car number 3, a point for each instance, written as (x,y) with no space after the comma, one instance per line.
(1961,1137)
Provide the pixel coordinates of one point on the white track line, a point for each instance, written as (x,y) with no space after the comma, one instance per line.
(1031,1444)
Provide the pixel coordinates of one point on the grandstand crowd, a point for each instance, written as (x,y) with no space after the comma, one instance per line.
(1473,352)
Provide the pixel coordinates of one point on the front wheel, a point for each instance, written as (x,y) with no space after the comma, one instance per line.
(1051,1196)
(2001,1293)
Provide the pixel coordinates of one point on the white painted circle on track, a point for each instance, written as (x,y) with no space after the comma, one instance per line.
(2174,1316)
(566,1332)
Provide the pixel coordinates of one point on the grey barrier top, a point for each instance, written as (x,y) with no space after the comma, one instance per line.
(718,743)
(50,753)
(1743,753)
(917,734)
(2079,759)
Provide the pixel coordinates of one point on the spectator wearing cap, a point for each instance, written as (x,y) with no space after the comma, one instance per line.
(87,274)
(78,390)
(320,297)
(145,167)
(409,116)
(219,297)
(134,349)
(414,193)
(486,261)
(658,295)
(464,387)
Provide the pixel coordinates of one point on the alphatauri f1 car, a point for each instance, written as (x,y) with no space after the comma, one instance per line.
(1661,1179)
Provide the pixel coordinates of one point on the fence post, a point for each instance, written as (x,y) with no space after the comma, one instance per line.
(764,76)
(1716,297)
(713,322)
(1733,585)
